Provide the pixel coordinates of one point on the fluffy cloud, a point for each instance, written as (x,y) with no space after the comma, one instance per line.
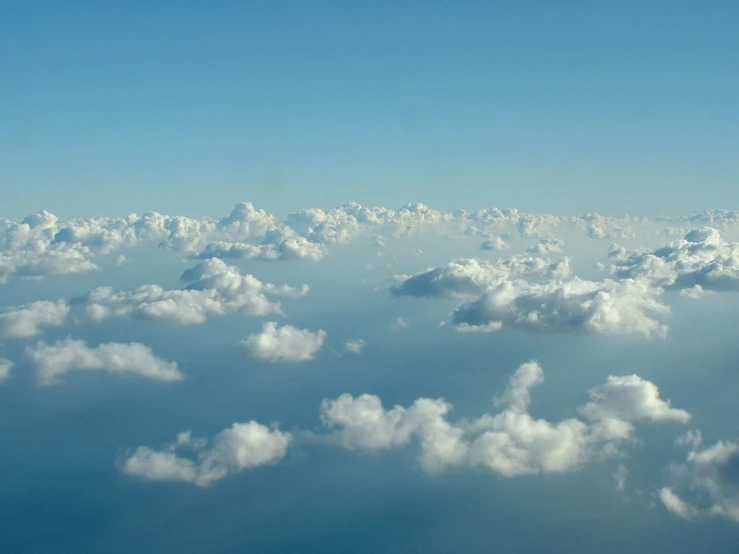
(494,243)
(712,476)
(511,442)
(546,246)
(701,261)
(27,320)
(5,367)
(52,361)
(470,277)
(284,344)
(240,447)
(354,346)
(214,288)
(576,305)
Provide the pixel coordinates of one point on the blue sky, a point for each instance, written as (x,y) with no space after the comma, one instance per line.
(185,107)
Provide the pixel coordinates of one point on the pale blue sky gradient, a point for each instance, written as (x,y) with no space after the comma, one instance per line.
(188,107)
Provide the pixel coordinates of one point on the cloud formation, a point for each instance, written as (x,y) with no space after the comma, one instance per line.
(468,277)
(699,262)
(509,443)
(27,320)
(214,288)
(5,367)
(240,447)
(284,344)
(52,361)
(576,305)
(711,477)
(355,346)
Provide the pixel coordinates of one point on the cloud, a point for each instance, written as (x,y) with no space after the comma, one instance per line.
(214,288)
(576,305)
(487,328)
(293,248)
(676,505)
(402,323)
(27,320)
(284,344)
(5,367)
(700,262)
(470,277)
(52,361)
(354,346)
(240,447)
(630,398)
(548,245)
(509,443)
(494,243)
(712,476)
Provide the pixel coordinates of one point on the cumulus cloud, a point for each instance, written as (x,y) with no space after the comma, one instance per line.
(711,476)
(576,305)
(494,243)
(240,447)
(52,361)
(214,288)
(470,277)
(509,443)
(284,344)
(28,319)
(546,246)
(5,367)
(355,346)
(293,248)
(700,262)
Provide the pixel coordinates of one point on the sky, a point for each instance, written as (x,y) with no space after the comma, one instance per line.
(562,107)
(369,277)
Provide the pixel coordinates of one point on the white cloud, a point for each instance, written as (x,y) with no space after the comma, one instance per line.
(214,288)
(284,344)
(511,442)
(355,346)
(5,367)
(676,505)
(240,447)
(630,398)
(692,438)
(470,277)
(27,320)
(712,476)
(700,262)
(486,328)
(494,243)
(548,245)
(52,361)
(576,305)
